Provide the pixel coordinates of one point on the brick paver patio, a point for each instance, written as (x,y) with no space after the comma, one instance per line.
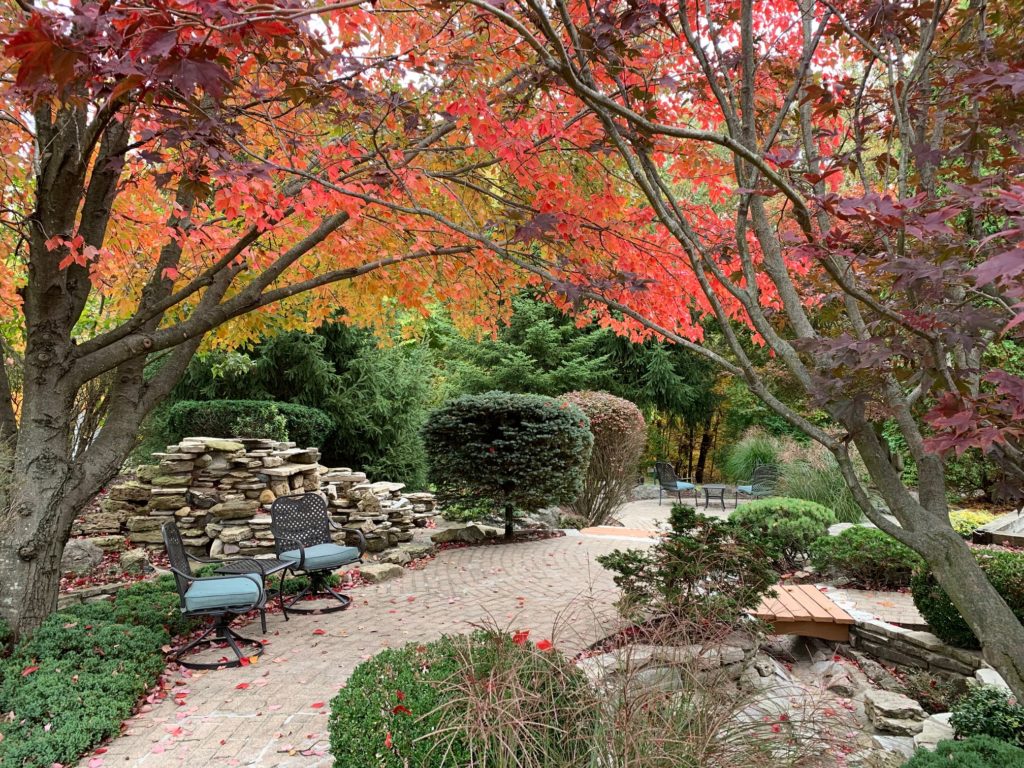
(274,713)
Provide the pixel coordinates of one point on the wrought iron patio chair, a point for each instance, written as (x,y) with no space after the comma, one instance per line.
(762,483)
(669,482)
(223,598)
(302,536)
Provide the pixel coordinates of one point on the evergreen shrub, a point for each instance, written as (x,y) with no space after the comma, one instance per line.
(867,557)
(789,526)
(515,451)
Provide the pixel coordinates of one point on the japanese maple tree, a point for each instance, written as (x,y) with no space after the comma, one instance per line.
(840,182)
(184,171)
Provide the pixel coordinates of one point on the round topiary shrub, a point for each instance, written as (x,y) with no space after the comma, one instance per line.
(867,557)
(787,525)
(516,451)
(988,711)
(620,435)
(975,752)
(459,699)
(1003,567)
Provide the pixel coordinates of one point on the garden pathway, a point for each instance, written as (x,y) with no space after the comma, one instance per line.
(274,713)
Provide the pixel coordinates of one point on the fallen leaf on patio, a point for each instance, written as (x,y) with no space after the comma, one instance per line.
(275,707)
(319,632)
(316,704)
(242,686)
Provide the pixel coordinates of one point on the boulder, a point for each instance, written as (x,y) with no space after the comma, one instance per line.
(267,496)
(135,561)
(395,557)
(373,573)
(81,556)
(892,712)
(235,509)
(988,676)
(130,491)
(933,730)
(108,543)
(470,534)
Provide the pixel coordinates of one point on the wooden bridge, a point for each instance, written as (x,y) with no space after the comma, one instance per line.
(802,609)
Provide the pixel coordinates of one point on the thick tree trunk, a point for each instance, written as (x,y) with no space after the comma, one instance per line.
(925,527)
(705,448)
(509,521)
(37,518)
(989,617)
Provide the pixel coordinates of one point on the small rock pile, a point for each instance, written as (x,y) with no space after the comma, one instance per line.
(219,492)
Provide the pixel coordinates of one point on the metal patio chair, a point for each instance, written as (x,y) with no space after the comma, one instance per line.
(669,482)
(762,483)
(302,536)
(221,597)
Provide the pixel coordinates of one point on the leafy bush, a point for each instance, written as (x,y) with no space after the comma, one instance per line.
(703,567)
(976,752)
(868,557)
(620,434)
(1003,567)
(788,526)
(411,706)
(988,711)
(517,451)
(753,449)
(72,683)
(966,521)
(259,418)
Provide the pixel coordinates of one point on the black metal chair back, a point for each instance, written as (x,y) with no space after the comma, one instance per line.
(666,475)
(299,521)
(176,555)
(764,479)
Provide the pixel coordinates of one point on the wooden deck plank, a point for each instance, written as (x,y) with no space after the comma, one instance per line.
(812,609)
(838,614)
(802,609)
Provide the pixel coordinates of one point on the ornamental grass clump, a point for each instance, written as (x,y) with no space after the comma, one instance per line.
(620,435)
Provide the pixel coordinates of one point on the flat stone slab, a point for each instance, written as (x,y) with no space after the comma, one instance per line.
(377,572)
(287,470)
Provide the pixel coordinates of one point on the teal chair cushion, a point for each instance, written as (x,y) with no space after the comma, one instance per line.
(323,556)
(745,488)
(216,593)
(682,486)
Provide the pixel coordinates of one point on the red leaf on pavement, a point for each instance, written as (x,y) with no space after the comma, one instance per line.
(242,686)
(319,632)
(317,704)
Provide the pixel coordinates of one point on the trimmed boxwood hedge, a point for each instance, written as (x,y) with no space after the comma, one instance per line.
(868,557)
(1003,567)
(79,676)
(975,752)
(788,525)
(309,427)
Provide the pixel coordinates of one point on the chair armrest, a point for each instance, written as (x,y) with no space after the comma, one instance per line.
(204,560)
(361,545)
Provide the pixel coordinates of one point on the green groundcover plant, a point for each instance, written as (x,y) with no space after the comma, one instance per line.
(71,684)
(867,557)
(989,711)
(975,752)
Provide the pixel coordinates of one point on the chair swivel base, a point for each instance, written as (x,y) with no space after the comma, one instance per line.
(317,588)
(218,633)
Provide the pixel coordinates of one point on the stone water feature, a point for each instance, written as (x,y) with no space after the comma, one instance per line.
(220,491)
